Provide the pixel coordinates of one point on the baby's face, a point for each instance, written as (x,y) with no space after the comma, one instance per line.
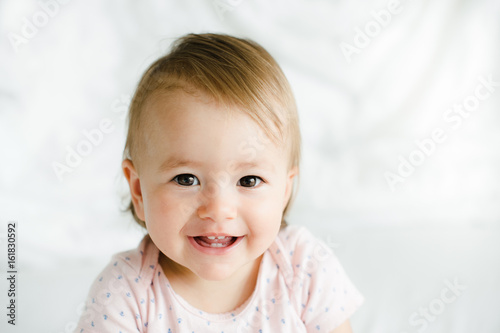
(211,188)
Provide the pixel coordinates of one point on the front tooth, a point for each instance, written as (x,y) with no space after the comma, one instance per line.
(211,237)
(221,237)
(216,245)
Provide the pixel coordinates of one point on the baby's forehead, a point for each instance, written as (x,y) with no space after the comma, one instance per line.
(173,104)
(167,106)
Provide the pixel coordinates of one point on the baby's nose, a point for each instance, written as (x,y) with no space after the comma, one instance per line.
(218,204)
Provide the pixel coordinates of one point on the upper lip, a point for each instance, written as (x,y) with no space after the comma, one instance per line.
(215,235)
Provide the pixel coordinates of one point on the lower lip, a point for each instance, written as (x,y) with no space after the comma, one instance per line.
(215,250)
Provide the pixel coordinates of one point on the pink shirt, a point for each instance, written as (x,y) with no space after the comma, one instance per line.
(301,287)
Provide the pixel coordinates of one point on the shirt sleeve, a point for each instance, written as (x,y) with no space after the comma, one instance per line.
(113,301)
(325,295)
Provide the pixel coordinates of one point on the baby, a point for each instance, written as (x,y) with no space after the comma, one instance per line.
(212,153)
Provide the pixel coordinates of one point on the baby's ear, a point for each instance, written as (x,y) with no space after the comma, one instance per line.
(135,187)
(289,184)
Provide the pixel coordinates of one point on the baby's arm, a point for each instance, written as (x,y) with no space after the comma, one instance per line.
(344,328)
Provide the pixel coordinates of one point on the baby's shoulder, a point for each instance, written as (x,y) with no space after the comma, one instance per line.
(119,290)
(134,265)
(318,287)
(298,241)
(302,257)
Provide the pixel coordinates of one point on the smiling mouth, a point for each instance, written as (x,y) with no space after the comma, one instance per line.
(215,241)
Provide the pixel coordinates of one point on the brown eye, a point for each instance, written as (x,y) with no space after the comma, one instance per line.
(186,179)
(250,181)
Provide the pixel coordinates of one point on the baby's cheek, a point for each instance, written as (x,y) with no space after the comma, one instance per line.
(263,220)
(180,207)
(268,208)
(158,206)
(164,215)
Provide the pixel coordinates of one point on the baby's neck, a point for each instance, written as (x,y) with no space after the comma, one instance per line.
(212,296)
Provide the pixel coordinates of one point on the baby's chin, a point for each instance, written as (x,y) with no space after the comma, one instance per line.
(222,271)
(217,269)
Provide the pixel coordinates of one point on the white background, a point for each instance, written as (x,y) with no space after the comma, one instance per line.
(359,116)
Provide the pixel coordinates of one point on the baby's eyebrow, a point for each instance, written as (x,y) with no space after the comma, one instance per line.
(173,163)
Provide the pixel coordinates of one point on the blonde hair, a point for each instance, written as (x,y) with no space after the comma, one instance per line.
(234,72)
